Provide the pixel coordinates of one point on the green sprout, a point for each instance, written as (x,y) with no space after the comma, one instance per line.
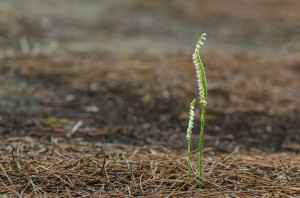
(202,85)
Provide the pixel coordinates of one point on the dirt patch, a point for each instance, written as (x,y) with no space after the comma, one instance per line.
(144,96)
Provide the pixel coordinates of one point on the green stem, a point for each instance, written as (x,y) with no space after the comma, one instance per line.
(189,161)
(200,145)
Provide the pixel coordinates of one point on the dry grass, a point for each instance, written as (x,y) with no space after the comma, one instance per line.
(39,168)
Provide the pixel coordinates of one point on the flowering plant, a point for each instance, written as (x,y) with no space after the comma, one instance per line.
(202,85)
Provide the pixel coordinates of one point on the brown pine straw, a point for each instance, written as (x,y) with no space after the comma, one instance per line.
(39,168)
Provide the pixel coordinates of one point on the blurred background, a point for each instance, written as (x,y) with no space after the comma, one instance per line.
(122,71)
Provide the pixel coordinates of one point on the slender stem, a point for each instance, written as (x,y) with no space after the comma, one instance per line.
(189,161)
(200,145)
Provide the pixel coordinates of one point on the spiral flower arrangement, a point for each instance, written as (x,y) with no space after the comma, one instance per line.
(202,85)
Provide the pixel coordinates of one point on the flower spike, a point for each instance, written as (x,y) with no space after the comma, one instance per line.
(191,120)
(202,84)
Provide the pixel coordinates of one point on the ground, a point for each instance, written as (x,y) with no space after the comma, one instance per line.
(122,70)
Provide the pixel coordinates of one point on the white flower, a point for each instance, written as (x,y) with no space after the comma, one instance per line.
(200,71)
(191,120)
